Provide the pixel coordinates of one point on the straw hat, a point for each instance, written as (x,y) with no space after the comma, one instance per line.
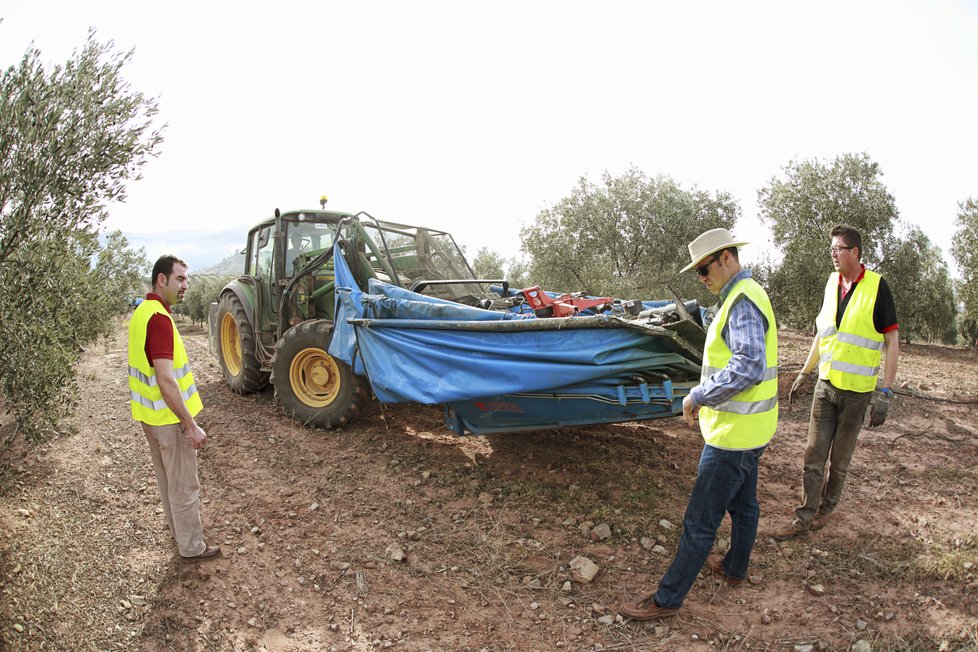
(710,242)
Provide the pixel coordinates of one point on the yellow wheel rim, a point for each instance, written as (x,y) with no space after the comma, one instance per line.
(314,377)
(230,344)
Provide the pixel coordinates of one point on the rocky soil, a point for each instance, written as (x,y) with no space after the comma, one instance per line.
(393,533)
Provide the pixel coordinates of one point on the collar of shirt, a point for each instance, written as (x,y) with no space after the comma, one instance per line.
(842,288)
(725,290)
(155,297)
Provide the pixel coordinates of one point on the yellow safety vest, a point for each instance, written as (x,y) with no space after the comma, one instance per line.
(749,418)
(146,399)
(849,356)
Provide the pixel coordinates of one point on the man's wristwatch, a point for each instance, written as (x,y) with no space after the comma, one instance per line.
(887,392)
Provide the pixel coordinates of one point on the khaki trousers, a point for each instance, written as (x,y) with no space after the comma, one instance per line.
(833,428)
(175,463)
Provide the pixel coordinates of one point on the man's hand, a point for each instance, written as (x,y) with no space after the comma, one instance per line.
(878,408)
(800,382)
(196,435)
(690,410)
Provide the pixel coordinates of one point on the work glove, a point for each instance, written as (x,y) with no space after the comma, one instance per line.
(879,406)
(800,382)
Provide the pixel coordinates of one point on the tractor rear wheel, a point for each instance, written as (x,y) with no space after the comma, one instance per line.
(236,347)
(311,385)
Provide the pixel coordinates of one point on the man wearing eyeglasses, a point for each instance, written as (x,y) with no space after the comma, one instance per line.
(856,324)
(737,405)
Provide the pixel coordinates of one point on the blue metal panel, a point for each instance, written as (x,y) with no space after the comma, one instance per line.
(546,410)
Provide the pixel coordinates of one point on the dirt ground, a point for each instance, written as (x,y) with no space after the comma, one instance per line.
(310,522)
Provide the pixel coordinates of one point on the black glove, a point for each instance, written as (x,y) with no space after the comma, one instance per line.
(800,382)
(879,406)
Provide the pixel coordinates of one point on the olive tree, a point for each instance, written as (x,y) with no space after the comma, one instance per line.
(493,265)
(965,252)
(204,289)
(518,273)
(119,273)
(801,207)
(72,136)
(922,290)
(626,236)
(488,264)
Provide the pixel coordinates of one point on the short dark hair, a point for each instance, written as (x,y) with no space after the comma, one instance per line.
(849,235)
(733,252)
(164,265)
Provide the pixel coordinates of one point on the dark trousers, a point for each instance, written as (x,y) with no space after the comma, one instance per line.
(837,416)
(725,483)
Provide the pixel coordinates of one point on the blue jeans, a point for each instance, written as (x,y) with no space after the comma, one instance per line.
(726,483)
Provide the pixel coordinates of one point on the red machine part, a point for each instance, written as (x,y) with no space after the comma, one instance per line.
(566,305)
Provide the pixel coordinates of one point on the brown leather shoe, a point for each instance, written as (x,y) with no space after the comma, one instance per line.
(790,531)
(210,552)
(715,564)
(821,520)
(645,609)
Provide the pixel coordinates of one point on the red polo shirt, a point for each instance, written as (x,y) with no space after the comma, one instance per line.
(159,334)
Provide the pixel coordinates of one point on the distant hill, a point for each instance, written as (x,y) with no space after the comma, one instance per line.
(233,265)
(203,250)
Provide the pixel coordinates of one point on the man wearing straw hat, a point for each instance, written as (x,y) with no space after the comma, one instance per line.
(737,405)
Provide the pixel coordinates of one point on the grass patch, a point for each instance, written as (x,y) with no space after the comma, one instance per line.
(943,476)
(875,560)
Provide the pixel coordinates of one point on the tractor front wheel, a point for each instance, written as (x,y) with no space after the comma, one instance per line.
(236,347)
(312,386)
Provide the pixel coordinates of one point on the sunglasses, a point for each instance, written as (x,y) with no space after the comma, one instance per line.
(704,269)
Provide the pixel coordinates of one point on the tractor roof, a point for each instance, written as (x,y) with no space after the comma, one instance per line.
(311,214)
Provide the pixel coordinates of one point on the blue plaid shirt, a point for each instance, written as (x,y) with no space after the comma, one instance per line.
(744,336)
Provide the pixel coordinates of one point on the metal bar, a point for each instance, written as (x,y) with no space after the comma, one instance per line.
(548,324)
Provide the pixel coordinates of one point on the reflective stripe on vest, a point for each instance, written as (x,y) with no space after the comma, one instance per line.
(145,398)
(151,380)
(849,356)
(160,404)
(749,418)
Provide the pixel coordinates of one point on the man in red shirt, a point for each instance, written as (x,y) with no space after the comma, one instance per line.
(164,399)
(855,329)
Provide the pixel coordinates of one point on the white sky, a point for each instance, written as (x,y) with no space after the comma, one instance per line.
(472,117)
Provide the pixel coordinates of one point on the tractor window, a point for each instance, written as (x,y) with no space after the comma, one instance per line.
(308,238)
(417,254)
(263,254)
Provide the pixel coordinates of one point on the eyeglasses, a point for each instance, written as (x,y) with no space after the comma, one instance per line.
(834,250)
(704,269)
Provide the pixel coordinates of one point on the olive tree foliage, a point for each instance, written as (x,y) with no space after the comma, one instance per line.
(922,289)
(204,289)
(801,207)
(518,273)
(119,274)
(625,237)
(71,137)
(965,252)
(490,264)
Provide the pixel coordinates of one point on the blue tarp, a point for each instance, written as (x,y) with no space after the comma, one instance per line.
(422,349)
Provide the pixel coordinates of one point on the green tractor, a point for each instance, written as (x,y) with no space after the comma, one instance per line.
(273,324)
